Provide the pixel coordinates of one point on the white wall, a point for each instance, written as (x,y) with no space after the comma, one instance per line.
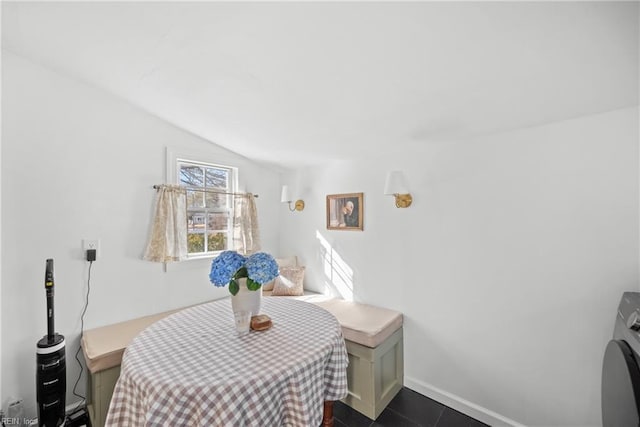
(508,267)
(1,396)
(78,163)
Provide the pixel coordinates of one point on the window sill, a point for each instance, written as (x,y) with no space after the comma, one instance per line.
(197,257)
(191,263)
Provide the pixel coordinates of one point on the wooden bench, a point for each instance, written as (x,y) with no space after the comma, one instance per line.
(373,338)
(103,349)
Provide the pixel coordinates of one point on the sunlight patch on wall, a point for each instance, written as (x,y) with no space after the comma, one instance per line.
(338,274)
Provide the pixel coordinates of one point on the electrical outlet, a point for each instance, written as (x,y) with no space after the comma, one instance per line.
(91,244)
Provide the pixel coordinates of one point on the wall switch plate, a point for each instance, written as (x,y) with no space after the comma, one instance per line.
(91,244)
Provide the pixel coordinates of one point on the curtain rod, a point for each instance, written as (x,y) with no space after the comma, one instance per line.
(157,187)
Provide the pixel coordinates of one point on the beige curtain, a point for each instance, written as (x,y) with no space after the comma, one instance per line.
(168,239)
(246,233)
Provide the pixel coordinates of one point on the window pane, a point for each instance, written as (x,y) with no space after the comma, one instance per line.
(191,176)
(217,178)
(217,241)
(195,222)
(195,242)
(195,199)
(216,200)
(218,221)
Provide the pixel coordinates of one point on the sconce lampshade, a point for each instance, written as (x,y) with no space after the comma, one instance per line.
(396,183)
(284,196)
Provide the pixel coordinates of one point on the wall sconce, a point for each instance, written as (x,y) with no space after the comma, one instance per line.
(286,198)
(396,185)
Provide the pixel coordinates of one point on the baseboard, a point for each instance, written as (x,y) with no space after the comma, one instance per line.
(459,404)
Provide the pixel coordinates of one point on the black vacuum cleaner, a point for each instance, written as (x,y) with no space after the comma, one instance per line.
(51,374)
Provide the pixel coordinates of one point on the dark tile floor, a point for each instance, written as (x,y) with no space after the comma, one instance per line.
(407,409)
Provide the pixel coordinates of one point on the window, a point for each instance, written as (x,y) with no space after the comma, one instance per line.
(209,208)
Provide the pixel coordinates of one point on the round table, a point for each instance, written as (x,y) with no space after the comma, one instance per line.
(192,369)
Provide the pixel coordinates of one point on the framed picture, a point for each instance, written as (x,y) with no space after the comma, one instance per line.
(344,211)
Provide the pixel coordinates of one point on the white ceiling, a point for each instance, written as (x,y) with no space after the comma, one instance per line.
(298,83)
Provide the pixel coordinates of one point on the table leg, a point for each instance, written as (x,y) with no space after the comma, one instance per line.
(327,415)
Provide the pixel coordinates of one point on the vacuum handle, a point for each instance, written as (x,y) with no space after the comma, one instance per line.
(48,285)
(48,275)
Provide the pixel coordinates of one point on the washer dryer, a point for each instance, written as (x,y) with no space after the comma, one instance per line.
(620,367)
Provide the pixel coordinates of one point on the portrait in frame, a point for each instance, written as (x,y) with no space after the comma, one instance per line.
(345,211)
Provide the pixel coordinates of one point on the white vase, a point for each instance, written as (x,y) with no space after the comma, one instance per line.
(246,300)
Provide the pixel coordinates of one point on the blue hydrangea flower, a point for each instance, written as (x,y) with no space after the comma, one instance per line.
(261,267)
(224,266)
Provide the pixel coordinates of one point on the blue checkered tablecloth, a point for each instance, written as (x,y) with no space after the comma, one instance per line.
(191,369)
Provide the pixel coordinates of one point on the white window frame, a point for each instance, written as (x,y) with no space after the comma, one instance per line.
(173,175)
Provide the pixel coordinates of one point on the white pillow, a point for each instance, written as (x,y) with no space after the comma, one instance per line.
(289,282)
(292,261)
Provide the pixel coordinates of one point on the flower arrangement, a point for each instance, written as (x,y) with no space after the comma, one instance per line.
(229,266)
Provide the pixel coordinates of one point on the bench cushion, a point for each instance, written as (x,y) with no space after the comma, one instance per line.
(362,323)
(103,347)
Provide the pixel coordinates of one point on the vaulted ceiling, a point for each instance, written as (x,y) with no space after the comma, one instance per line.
(292,83)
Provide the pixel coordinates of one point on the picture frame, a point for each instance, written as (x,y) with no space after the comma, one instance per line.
(345,211)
